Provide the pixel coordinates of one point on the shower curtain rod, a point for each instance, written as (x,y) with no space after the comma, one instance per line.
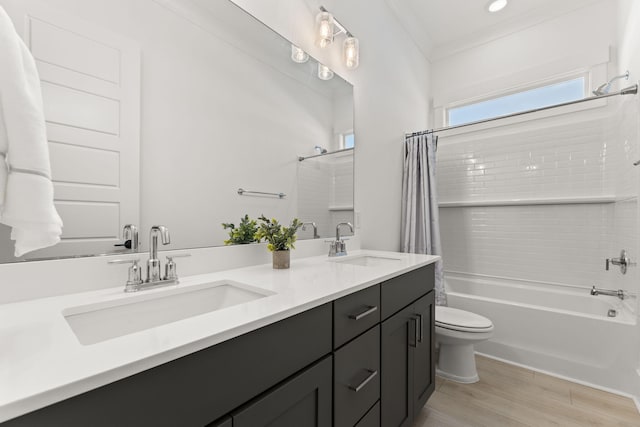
(631,90)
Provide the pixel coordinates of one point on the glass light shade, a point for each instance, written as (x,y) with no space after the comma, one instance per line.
(324,72)
(324,29)
(351,52)
(496,5)
(298,55)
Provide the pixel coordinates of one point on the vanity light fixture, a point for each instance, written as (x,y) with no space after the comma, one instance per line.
(327,28)
(351,52)
(324,72)
(324,28)
(298,55)
(496,5)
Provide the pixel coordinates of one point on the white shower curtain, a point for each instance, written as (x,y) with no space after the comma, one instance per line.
(420,221)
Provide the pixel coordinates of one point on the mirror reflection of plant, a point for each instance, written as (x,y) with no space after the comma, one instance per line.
(278,237)
(245,233)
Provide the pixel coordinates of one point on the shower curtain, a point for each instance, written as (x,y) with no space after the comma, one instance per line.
(420,221)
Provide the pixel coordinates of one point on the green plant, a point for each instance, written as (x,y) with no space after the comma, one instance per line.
(245,233)
(279,237)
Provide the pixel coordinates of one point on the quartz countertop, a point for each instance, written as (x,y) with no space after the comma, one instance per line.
(42,361)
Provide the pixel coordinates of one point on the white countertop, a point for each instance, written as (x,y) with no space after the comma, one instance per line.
(42,361)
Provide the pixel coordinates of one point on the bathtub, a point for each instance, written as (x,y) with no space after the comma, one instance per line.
(560,330)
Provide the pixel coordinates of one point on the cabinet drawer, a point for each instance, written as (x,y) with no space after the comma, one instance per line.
(354,314)
(372,419)
(401,291)
(356,384)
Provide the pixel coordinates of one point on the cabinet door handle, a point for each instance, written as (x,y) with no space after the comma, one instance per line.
(372,375)
(369,310)
(415,332)
(421,325)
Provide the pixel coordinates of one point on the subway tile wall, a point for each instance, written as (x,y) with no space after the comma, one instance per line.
(581,154)
(325,193)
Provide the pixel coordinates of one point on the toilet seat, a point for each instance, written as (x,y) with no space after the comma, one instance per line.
(460,320)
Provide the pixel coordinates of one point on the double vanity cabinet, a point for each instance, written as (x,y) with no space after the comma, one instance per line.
(365,359)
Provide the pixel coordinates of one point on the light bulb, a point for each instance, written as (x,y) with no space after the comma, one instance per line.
(496,5)
(298,55)
(324,29)
(324,72)
(351,52)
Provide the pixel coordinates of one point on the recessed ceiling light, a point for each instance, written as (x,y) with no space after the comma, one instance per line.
(496,5)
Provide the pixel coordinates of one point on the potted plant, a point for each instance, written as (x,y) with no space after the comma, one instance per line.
(245,233)
(280,239)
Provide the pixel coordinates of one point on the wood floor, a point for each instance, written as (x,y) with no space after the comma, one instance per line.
(511,396)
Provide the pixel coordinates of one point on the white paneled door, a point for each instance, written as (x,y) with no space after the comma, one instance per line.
(91,90)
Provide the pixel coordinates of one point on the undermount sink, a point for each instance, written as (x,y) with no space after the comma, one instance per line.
(94,323)
(367,260)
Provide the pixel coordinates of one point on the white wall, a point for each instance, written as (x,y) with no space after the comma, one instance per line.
(391,95)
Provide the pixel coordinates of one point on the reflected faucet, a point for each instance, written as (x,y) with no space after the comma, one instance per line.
(153,265)
(339,247)
(315,228)
(130,233)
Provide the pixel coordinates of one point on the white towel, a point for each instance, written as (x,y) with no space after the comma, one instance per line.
(26,190)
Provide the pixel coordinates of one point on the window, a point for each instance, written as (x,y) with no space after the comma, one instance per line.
(544,96)
(347,140)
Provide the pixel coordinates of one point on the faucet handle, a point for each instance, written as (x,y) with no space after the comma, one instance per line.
(170,269)
(135,273)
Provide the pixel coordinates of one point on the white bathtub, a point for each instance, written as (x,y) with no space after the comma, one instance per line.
(561,330)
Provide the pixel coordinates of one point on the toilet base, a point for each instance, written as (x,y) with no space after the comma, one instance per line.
(457,379)
(457,362)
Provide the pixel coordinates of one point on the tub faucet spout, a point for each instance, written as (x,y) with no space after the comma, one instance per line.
(610,292)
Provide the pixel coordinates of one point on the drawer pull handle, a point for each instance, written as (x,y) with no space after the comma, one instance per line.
(370,309)
(372,375)
(421,325)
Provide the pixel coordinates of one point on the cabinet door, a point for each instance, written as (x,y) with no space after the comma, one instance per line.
(423,368)
(304,400)
(397,340)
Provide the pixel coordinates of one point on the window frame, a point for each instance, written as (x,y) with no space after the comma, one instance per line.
(596,72)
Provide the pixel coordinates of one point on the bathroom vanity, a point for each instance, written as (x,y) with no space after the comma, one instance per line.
(345,342)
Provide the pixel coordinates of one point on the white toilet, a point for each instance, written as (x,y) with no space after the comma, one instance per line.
(456,333)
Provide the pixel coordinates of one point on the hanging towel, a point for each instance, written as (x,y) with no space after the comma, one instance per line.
(26,190)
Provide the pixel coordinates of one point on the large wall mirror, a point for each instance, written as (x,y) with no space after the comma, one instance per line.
(159,111)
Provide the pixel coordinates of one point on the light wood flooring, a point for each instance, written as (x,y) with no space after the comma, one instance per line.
(508,395)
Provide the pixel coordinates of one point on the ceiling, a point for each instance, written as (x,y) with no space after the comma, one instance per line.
(443,27)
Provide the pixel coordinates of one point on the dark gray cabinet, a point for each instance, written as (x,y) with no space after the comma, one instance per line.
(304,400)
(203,386)
(364,360)
(407,346)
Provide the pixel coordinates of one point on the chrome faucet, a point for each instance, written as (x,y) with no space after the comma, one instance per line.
(153,264)
(154,278)
(130,233)
(315,228)
(610,292)
(339,247)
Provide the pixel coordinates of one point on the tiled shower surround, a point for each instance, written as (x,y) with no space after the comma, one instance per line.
(325,193)
(546,200)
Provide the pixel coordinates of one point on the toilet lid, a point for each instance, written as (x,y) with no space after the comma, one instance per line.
(452,318)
